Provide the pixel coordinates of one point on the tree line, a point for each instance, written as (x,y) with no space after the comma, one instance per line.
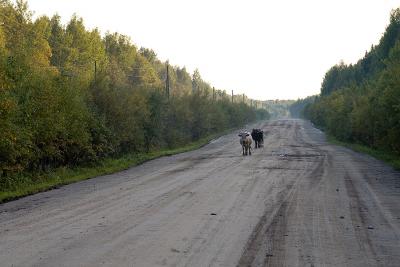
(278,108)
(361,102)
(297,108)
(70,96)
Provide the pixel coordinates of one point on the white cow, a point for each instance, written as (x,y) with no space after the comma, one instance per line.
(245,141)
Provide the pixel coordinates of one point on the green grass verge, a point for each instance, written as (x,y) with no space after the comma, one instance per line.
(391,159)
(28,184)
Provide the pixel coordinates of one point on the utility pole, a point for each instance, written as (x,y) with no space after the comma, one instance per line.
(213,93)
(95,71)
(167,81)
(232,96)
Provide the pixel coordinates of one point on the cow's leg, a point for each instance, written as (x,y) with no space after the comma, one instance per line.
(243,149)
(250,150)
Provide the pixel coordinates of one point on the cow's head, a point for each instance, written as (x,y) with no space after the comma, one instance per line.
(243,135)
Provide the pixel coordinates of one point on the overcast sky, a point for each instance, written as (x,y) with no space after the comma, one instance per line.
(265,49)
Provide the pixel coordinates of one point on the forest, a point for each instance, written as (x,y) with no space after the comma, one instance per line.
(70,96)
(296,109)
(360,103)
(278,108)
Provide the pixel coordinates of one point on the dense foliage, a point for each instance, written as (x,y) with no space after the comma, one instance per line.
(278,108)
(70,96)
(297,108)
(361,102)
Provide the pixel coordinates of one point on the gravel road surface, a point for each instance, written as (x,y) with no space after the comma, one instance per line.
(298,201)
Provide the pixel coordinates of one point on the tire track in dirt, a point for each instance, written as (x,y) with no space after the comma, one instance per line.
(336,215)
(267,239)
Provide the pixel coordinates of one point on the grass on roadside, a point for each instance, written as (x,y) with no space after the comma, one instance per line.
(27,184)
(391,159)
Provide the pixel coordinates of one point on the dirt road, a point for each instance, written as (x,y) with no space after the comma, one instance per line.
(296,202)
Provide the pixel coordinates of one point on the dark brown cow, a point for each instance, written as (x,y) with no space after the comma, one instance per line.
(258,137)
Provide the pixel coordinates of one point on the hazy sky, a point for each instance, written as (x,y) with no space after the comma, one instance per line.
(265,49)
